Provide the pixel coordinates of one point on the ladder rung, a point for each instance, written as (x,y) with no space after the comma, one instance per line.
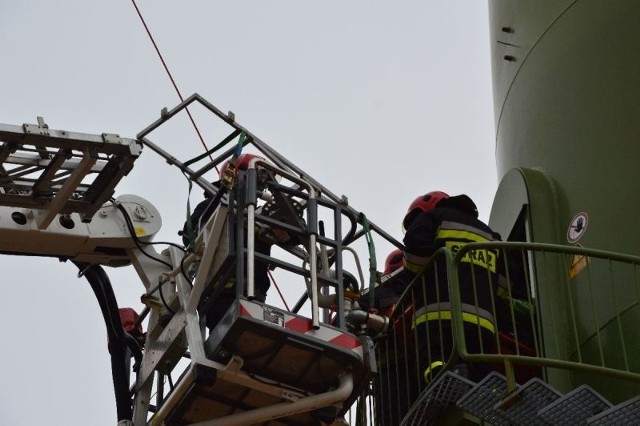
(60,172)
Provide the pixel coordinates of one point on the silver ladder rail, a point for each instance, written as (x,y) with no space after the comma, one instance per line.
(60,172)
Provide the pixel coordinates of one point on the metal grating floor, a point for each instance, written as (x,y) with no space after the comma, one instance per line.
(449,388)
(521,406)
(575,407)
(443,393)
(627,413)
(481,399)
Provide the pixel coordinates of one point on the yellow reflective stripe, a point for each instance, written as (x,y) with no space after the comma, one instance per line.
(464,235)
(446,306)
(447,224)
(446,315)
(415,259)
(427,372)
(412,267)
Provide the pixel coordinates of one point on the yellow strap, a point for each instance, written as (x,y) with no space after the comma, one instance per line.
(427,372)
(446,315)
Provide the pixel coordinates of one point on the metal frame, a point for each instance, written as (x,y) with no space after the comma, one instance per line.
(184,329)
(323,196)
(272,155)
(58,173)
(49,169)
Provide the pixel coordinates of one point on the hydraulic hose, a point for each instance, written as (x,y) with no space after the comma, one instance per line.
(101,287)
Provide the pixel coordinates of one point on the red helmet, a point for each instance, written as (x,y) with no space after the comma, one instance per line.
(423,203)
(394,261)
(242,163)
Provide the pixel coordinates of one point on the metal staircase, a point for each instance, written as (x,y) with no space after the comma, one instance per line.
(533,403)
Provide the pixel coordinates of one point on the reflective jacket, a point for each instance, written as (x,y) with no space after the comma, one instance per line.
(452,224)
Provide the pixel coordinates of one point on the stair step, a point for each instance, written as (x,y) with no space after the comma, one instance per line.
(575,407)
(626,413)
(521,406)
(481,399)
(444,392)
(449,388)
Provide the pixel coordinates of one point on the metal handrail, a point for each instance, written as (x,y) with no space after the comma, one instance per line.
(594,292)
(541,359)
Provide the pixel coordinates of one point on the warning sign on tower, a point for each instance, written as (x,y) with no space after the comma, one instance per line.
(577,227)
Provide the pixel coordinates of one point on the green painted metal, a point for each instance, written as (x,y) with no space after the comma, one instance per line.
(576,345)
(566,89)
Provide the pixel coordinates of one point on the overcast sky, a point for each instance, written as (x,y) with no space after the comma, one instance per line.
(377,100)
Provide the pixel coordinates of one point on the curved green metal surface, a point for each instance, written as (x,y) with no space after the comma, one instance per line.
(567,107)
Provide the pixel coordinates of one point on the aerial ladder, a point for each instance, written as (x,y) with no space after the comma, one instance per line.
(259,363)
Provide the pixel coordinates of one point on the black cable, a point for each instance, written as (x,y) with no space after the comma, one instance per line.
(131,230)
(138,244)
(164,302)
(166,243)
(85,270)
(133,344)
(117,344)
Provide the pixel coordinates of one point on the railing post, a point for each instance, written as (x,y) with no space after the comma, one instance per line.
(510,376)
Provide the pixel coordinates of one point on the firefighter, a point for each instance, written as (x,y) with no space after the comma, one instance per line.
(436,220)
(265,238)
